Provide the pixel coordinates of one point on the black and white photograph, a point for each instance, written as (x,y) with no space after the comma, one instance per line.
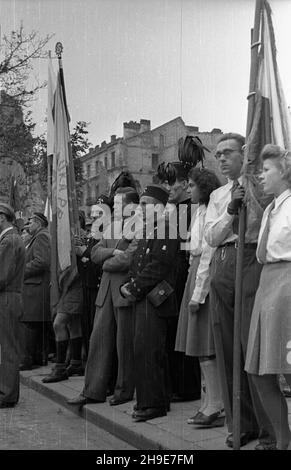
(145,217)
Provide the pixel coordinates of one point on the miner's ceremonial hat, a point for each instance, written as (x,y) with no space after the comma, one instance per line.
(41,217)
(7,210)
(158,192)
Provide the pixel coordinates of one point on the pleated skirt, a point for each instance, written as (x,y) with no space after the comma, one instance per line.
(194,333)
(269,343)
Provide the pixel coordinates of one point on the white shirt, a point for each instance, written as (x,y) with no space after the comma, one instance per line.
(4,231)
(279,240)
(218,222)
(199,246)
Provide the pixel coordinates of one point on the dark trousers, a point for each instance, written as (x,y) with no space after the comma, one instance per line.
(89,296)
(185,375)
(150,357)
(35,342)
(10,311)
(113,330)
(222,295)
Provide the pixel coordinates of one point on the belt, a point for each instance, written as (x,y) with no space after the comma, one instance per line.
(235,244)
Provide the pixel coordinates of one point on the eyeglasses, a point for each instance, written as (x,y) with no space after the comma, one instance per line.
(227,153)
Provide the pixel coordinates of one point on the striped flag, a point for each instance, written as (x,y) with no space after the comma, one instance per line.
(270,119)
(65,223)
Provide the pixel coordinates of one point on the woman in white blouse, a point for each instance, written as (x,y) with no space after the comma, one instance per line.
(269,344)
(194,333)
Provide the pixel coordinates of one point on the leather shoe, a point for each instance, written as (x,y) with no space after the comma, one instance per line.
(118,401)
(149,413)
(245,437)
(56,375)
(287,392)
(135,408)
(191,420)
(211,421)
(266,446)
(7,404)
(25,367)
(81,400)
(75,370)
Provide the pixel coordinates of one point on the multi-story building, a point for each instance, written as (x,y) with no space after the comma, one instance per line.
(140,151)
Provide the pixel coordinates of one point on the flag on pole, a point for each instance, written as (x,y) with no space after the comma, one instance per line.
(48,210)
(269,121)
(65,223)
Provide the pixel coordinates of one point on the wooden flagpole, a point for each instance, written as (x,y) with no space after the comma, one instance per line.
(49,181)
(241,239)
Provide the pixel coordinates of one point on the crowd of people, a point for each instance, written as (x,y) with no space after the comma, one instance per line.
(151,314)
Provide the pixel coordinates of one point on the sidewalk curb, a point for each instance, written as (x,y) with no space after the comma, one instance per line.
(143,436)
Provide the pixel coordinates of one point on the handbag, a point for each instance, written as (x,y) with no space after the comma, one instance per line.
(160,293)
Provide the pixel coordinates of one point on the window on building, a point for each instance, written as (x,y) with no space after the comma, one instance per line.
(106,162)
(88,171)
(97,190)
(97,167)
(162,140)
(155,161)
(112,159)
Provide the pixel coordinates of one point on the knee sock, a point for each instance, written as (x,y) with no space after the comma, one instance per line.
(275,406)
(61,348)
(213,390)
(76,350)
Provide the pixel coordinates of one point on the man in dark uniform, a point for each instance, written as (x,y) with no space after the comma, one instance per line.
(152,278)
(184,370)
(36,294)
(12,262)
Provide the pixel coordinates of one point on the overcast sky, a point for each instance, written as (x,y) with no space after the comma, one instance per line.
(151,59)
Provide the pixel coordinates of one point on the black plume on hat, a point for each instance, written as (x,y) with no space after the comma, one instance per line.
(7,210)
(103,199)
(124,180)
(41,217)
(190,153)
(157,192)
(191,150)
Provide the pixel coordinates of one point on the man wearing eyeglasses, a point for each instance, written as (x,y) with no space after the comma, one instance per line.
(221,229)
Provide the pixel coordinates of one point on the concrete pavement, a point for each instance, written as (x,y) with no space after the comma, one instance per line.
(170,432)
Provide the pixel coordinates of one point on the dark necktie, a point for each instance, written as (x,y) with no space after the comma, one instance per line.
(235,221)
(262,247)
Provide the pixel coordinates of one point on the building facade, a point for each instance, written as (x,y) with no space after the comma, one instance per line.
(140,151)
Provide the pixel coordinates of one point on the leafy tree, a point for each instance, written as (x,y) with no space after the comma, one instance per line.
(79,145)
(16,140)
(19,50)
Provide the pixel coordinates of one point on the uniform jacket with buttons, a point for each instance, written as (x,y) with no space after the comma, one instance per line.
(155,261)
